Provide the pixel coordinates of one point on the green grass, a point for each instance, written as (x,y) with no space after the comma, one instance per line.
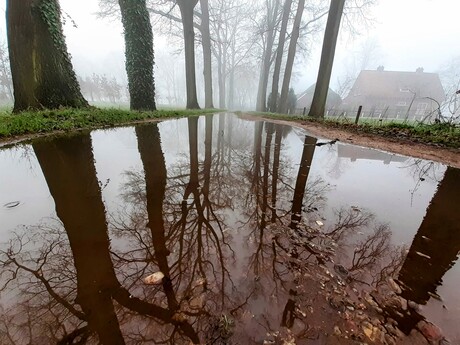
(444,135)
(32,122)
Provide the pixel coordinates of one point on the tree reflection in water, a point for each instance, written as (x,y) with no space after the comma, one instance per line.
(233,231)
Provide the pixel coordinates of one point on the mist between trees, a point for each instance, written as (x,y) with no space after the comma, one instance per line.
(230,54)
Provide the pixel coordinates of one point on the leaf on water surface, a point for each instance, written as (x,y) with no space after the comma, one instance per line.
(155,278)
(12,204)
(423,255)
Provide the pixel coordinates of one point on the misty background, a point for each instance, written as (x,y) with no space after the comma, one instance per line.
(399,35)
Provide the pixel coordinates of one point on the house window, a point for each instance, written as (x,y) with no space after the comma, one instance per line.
(421,108)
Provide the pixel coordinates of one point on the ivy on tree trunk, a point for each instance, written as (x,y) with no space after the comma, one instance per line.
(139,54)
(41,69)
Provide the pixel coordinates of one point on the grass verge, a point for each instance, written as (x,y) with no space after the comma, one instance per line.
(443,135)
(33,122)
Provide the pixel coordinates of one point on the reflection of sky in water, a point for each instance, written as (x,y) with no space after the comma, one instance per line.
(384,189)
(384,184)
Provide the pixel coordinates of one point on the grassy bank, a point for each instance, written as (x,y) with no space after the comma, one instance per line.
(443,135)
(70,119)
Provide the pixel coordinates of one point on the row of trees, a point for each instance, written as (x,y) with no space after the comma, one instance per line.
(101,88)
(234,37)
(95,88)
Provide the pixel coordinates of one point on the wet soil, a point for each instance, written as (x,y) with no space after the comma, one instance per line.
(394,144)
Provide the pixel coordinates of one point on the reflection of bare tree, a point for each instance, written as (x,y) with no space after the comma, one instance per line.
(85,295)
(68,167)
(348,222)
(422,171)
(370,251)
(184,248)
(302,178)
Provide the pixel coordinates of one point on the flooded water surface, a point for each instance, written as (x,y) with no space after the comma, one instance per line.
(217,230)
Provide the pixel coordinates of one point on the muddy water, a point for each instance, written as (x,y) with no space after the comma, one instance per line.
(262,234)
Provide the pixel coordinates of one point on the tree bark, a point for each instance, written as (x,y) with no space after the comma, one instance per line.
(318,104)
(139,54)
(283,106)
(42,72)
(186,8)
(273,106)
(206,43)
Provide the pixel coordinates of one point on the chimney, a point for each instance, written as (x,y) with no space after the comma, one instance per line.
(380,68)
(419,70)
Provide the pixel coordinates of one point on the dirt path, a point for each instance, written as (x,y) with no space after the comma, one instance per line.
(397,145)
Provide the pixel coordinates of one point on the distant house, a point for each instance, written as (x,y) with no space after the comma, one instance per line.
(361,153)
(333,100)
(391,94)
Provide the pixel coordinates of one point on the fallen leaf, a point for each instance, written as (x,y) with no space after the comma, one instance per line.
(154,279)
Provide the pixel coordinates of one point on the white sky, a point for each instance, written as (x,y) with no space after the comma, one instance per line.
(410,34)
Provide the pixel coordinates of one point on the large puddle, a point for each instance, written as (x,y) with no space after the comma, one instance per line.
(217,230)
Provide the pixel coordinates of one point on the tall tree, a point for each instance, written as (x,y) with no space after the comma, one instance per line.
(279,55)
(327,58)
(43,76)
(268,32)
(186,9)
(138,53)
(206,43)
(283,103)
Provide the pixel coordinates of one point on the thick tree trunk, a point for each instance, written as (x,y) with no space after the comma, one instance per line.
(283,106)
(139,54)
(186,9)
(206,43)
(318,104)
(273,106)
(41,69)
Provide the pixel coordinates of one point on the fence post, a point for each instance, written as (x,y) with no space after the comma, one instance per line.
(304,111)
(360,109)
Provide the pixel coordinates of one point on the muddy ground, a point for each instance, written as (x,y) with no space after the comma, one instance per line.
(406,147)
